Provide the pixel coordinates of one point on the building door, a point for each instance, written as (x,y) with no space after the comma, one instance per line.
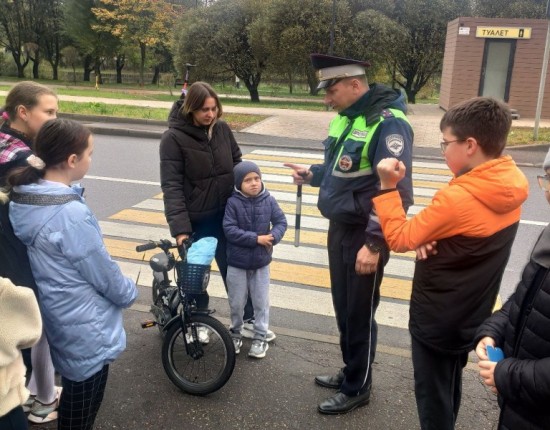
(498,60)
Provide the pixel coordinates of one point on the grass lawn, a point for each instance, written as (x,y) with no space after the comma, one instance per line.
(518,135)
(235,120)
(524,136)
(234,98)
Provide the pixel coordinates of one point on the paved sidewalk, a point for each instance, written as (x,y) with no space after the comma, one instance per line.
(284,124)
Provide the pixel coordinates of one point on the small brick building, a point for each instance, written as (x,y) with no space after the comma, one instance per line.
(495,57)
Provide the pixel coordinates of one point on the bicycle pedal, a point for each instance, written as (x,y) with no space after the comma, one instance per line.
(148,324)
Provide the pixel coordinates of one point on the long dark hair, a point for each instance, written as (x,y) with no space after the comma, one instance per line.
(195,98)
(56,141)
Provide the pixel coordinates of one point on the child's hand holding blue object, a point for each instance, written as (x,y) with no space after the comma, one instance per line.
(202,251)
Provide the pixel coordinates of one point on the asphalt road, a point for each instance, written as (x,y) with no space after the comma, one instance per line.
(277,392)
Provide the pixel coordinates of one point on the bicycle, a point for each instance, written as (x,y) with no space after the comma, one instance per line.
(196,366)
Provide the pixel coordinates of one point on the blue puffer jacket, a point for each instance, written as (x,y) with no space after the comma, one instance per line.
(81,289)
(245,219)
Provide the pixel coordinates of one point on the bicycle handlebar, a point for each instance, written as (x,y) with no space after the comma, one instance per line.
(146,246)
(166,245)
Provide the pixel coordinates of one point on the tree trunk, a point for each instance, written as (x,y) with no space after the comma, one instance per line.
(254,96)
(87,68)
(142,48)
(35,65)
(411,95)
(20,67)
(120,63)
(312,83)
(97,70)
(56,60)
(290,82)
(252,87)
(156,75)
(20,71)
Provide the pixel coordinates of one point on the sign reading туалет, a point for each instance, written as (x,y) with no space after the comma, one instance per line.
(504,32)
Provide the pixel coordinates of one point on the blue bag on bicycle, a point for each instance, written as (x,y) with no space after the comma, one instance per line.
(202,251)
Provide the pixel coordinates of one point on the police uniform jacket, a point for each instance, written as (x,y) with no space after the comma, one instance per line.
(522,329)
(373,128)
(196,171)
(474,221)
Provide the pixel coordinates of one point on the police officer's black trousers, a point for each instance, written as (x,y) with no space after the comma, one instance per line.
(355,298)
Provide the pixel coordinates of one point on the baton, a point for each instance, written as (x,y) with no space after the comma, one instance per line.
(298,216)
(298,212)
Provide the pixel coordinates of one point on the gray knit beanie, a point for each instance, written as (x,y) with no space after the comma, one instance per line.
(546,164)
(242,169)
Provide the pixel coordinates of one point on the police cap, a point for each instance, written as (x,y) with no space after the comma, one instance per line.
(331,69)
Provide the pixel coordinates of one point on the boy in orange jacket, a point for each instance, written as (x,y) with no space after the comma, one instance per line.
(463,241)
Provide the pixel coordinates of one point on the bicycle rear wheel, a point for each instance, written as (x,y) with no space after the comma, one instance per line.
(200,368)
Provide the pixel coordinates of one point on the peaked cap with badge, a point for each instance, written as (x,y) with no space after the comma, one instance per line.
(331,69)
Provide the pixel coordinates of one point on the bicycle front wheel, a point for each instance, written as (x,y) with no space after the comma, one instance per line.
(194,367)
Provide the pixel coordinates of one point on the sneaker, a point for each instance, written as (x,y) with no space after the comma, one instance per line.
(41,413)
(237,343)
(258,348)
(28,404)
(248,332)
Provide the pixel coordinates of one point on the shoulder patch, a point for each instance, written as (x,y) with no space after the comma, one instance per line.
(386,113)
(395,144)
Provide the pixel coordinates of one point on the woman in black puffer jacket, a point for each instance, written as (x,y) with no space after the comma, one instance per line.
(522,329)
(197,156)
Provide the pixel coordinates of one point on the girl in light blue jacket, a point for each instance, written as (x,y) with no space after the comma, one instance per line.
(81,289)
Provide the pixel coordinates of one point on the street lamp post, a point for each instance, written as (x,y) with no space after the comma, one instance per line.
(543,74)
(332,25)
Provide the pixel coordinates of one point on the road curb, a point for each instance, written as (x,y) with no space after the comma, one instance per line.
(94,123)
(112,119)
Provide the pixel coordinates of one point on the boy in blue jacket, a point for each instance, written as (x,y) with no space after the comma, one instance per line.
(253,223)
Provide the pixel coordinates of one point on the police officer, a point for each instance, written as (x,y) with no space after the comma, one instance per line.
(370,125)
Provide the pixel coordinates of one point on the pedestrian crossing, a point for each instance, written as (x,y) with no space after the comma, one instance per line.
(299,275)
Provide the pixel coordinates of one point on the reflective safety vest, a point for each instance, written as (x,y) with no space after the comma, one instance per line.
(351,140)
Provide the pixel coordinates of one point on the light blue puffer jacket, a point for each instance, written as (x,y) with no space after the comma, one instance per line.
(81,289)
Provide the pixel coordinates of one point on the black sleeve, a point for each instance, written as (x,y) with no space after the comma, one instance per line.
(525,383)
(235,149)
(495,325)
(172,174)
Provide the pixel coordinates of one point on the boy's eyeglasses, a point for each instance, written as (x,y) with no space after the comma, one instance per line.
(444,144)
(544,182)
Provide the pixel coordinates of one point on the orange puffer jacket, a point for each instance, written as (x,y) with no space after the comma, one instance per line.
(474,221)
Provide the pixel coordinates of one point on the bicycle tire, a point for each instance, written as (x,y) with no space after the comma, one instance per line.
(155,294)
(206,374)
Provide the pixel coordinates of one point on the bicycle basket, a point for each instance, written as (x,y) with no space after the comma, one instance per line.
(193,278)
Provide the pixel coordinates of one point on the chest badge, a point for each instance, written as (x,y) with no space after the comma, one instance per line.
(345,163)
(359,134)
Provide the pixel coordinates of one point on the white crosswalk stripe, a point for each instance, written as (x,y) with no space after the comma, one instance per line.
(301,298)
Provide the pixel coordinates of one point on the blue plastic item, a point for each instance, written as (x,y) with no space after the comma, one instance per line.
(494,353)
(202,251)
